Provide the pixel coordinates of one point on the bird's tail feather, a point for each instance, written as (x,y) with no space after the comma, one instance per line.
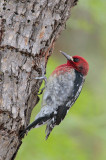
(39,121)
(48,131)
(50,127)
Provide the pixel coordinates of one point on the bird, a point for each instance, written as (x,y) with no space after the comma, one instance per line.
(62,90)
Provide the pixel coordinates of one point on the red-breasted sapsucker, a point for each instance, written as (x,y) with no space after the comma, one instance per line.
(62,89)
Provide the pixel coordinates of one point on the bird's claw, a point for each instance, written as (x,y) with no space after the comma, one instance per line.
(41,91)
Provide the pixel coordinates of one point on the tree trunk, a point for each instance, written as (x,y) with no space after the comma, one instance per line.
(28,30)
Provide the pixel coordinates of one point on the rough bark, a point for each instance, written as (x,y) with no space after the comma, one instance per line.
(28,30)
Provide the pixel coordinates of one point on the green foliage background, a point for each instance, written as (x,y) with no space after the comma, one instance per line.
(82,135)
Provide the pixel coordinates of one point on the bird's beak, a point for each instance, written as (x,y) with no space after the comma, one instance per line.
(67,56)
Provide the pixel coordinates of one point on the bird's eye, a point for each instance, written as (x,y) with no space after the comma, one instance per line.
(76,60)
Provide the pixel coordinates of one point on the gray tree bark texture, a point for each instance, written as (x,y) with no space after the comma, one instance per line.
(28,30)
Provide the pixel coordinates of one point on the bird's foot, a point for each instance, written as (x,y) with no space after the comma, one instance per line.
(41,91)
(43,77)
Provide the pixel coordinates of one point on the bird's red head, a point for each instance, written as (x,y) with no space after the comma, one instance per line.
(78,63)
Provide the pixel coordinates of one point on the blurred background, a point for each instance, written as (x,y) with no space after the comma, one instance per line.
(82,134)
